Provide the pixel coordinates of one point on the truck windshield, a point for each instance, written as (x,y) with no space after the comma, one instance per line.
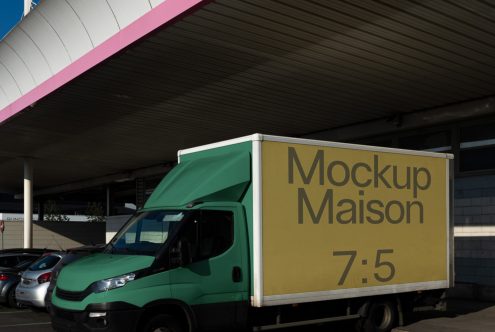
(146,232)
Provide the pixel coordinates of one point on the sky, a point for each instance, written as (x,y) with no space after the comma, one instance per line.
(11,12)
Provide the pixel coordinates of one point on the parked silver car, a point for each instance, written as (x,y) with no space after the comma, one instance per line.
(35,280)
(12,263)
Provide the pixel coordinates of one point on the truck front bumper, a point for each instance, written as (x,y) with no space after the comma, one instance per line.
(101,317)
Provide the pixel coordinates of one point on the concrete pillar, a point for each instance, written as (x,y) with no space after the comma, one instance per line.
(28,203)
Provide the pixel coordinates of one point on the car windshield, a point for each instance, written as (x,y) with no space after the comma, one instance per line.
(25,263)
(146,232)
(8,261)
(44,263)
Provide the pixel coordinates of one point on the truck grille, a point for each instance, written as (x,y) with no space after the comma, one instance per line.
(71,296)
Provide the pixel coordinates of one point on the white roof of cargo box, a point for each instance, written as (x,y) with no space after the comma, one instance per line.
(293,140)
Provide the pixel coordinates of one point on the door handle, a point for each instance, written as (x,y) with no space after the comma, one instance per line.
(236,274)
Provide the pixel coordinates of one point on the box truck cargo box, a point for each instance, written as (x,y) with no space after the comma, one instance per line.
(255,231)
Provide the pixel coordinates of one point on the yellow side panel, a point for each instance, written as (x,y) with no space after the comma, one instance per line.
(338,218)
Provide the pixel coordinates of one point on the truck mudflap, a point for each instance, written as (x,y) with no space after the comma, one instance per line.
(102,317)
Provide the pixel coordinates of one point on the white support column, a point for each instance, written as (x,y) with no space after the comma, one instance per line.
(28,203)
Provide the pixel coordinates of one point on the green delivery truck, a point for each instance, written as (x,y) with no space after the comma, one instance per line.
(265,232)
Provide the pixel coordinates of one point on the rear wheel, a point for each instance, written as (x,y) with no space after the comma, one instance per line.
(382,317)
(163,323)
(11,300)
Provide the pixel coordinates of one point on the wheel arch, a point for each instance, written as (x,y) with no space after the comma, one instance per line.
(177,308)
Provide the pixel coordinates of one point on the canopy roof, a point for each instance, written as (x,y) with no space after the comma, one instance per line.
(231,68)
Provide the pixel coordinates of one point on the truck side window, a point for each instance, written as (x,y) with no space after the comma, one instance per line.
(209,235)
(216,233)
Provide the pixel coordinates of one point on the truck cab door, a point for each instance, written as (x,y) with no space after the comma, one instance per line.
(213,276)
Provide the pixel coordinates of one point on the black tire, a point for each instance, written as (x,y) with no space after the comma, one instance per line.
(163,323)
(11,301)
(382,317)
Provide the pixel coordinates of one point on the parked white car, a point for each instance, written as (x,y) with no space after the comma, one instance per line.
(34,283)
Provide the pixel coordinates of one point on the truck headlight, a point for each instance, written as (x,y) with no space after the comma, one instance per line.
(111,283)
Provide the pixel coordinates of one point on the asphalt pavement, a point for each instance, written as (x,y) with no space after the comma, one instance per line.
(26,320)
(461,315)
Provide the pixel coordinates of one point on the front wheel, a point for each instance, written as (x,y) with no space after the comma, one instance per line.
(163,323)
(382,317)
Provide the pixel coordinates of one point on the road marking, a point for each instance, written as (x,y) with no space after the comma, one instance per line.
(26,324)
(12,312)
